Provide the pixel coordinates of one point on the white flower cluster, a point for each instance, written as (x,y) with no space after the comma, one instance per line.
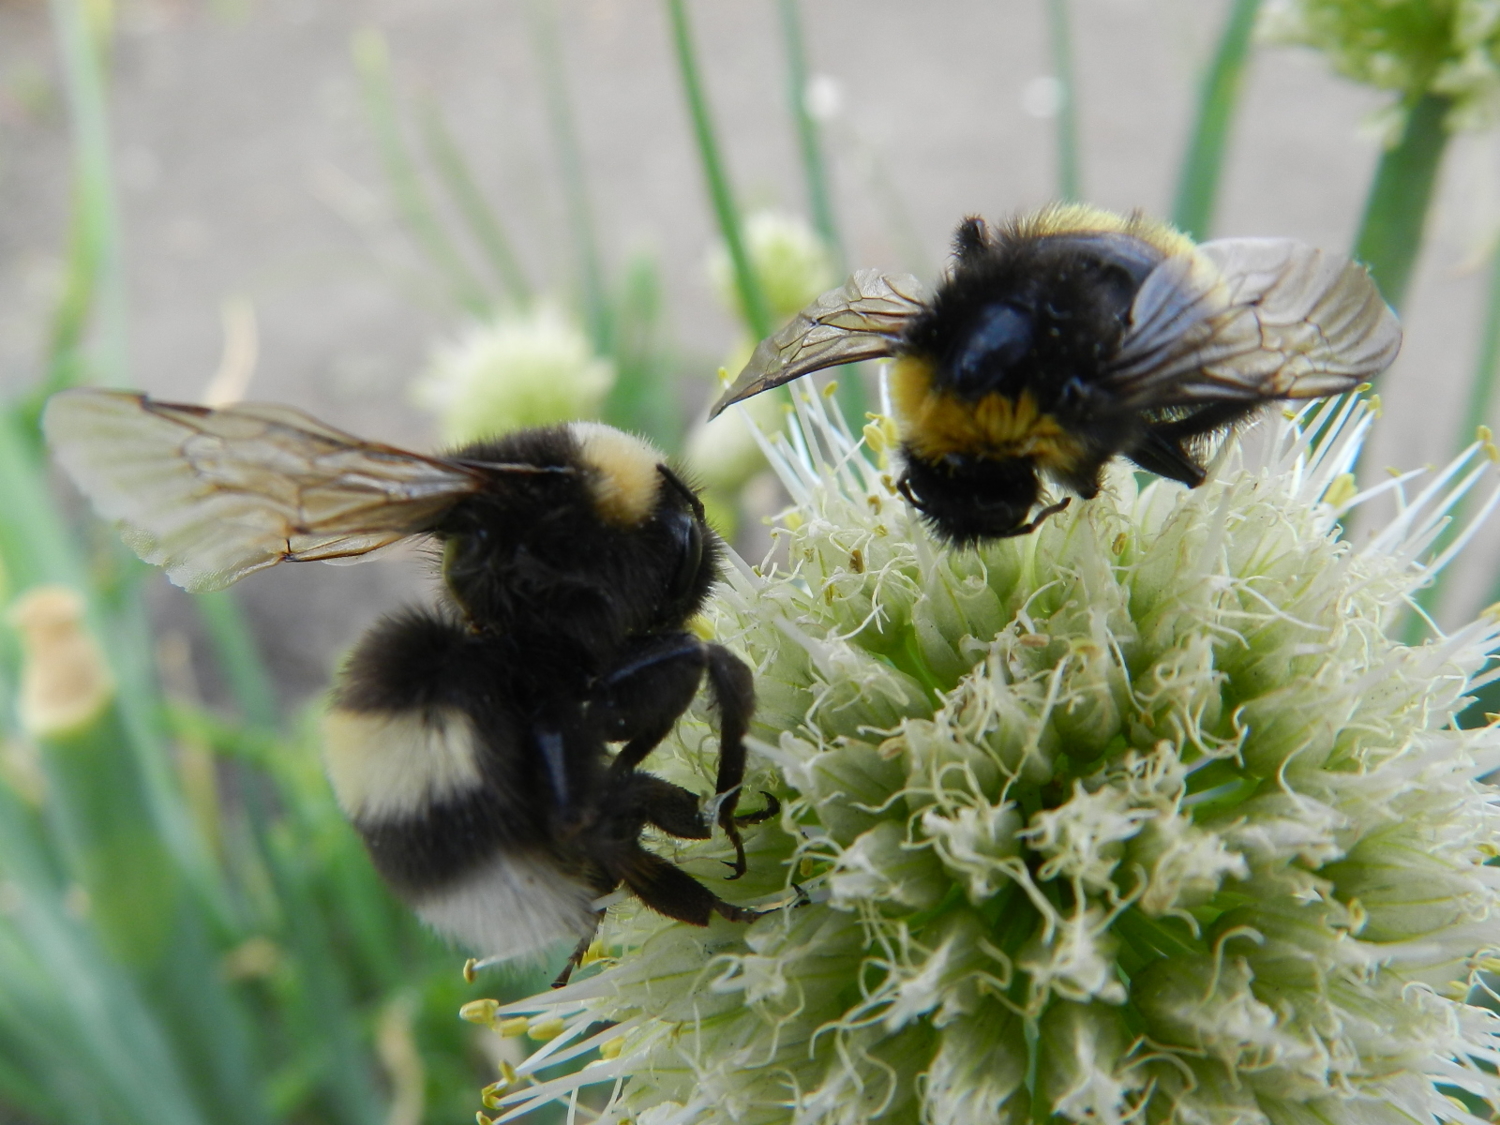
(1142,817)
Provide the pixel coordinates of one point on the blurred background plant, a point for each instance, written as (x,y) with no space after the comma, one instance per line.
(188,930)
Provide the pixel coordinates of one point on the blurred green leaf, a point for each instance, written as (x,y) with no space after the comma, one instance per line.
(752,300)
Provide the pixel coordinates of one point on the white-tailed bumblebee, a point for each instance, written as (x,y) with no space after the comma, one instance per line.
(1071,335)
(467,741)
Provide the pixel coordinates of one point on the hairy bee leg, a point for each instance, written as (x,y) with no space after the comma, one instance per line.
(1037,520)
(760,816)
(676,810)
(673,892)
(576,957)
(733,686)
(1162,452)
(669,807)
(641,701)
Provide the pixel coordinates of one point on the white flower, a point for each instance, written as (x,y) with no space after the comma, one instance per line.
(1144,817)
(532,368)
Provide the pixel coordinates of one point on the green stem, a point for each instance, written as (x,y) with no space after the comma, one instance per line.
(851,396)
(1198,184)
(753,300)
(1390,234)
(1481,401)
(1069,175)
(814,170)
(96,280)
(575,183)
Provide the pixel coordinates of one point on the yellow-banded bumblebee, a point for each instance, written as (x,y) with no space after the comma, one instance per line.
(1070,335)
(467,742)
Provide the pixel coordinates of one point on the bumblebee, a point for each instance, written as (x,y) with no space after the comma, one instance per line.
(467,741)
(1071,335)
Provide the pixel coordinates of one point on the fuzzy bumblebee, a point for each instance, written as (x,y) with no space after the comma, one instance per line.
(1072,335)
(468,740)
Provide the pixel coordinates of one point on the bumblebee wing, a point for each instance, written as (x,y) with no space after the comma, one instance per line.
(861,319)
(1243,319)
(214,495)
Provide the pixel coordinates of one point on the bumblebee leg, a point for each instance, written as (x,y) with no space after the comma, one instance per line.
(576,957)
(903,486)
(640,702)
(673,892)
(1162,451)
(1166,458)
(670,807)
(643,699)
(733,686)
(677,811)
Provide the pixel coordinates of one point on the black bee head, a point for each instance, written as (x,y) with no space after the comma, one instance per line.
(969,499)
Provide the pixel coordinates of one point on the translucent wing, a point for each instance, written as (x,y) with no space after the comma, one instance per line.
(1253,318)
(861,319)
(214,495)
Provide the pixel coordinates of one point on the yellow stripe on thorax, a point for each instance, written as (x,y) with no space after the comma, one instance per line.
(934,424)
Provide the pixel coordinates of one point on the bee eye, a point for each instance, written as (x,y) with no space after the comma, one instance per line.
(998,339)
(689,535)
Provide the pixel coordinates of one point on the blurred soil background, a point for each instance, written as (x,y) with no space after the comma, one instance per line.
(254,205)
